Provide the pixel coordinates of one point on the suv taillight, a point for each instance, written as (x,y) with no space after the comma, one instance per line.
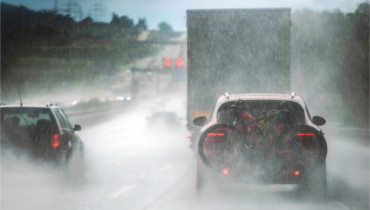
(55,140)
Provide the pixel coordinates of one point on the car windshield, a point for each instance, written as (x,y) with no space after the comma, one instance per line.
(257,108)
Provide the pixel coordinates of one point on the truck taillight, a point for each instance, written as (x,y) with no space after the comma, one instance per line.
(55,140)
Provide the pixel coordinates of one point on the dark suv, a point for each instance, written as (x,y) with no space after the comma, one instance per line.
(44,132)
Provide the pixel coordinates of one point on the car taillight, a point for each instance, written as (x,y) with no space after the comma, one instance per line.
(215,134)
(292,172)
(55,140)
(305,134)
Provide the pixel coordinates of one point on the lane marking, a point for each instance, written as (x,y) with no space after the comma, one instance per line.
(172,188)
(121,191)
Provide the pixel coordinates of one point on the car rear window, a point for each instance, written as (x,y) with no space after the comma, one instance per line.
(25,116)
(257,108)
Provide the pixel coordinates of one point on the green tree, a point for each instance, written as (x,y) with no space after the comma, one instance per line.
(165,27)
(123,21)
(87,21)
(141,25)
(331,49)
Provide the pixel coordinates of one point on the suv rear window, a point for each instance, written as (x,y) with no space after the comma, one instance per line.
(25,116)
(257,108)
(20,124)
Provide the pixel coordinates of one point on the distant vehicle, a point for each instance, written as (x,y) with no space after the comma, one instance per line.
(270,138)
(164,118)
(44,132)
(123,98)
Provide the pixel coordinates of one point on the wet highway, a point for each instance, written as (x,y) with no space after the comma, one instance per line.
(128,165)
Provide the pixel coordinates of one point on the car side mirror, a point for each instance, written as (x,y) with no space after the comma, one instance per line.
(317,120)
(199,121)
(77,128)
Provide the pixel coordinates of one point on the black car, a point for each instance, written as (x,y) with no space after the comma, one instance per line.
(267,138)
(43,132)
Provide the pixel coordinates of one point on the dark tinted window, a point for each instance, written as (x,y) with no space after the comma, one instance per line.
(66,120)
(61,120)
(257,108)
(25,116)
(19,125)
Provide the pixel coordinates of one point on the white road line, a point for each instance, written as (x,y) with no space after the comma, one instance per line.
(121,191)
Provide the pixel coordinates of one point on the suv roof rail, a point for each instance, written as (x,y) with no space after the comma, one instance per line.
(293,94)
(227,95)
(51,104)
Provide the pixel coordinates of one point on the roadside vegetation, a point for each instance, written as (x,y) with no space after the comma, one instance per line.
(44,50)
(330,56)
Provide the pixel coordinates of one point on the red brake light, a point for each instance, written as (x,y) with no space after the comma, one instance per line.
(55,140)
(285,151)
(216,134)
(291,172)
(167,62)
(225,172)
(179,62)
(305,134)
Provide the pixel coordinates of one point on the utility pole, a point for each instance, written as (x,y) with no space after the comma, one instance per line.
(56,6)
(73,9)
(97,12)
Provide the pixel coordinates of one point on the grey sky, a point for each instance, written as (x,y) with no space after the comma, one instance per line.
(174,11)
